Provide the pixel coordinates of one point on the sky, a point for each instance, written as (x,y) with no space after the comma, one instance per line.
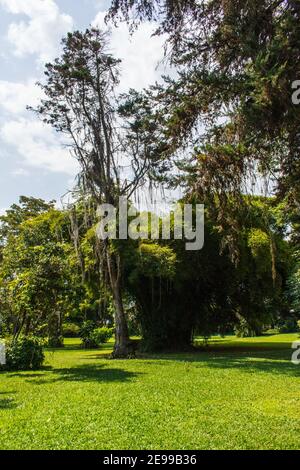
(33,161)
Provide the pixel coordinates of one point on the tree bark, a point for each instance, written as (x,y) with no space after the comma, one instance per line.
(122,342)
(55,339)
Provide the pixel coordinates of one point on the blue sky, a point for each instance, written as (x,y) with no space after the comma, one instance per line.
(32,160)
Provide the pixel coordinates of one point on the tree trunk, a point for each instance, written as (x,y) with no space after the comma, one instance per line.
(18,327)
(55,339)
(122,343)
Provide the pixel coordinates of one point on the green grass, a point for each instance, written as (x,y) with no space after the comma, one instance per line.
(239,394)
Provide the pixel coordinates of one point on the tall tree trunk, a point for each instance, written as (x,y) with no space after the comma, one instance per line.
(27,326)
(18,327)
(55,339)
(122,343)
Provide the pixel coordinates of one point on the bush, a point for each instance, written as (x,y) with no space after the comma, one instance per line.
(56,342)
(272,331)
(24,353)
(93,337)
(85,334)
(289,325)
(102,335)
(71,330)
(42,330)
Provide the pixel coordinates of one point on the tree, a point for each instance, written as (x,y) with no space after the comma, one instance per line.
(293,285)
(80,103)
(237,61)
(10,229)
(180,293)
(35,275)
(28,207)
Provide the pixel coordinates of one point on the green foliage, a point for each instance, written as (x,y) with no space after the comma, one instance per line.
(24,353)
(28,207)
(171,293)
(237,59)
(154,260)
(80,101)
(40,272)
(55,341)
(259,244)
(180,293)
(244,330)
(70,330)
(293,285)
(42,330)
(289,325)
(86,334)
(92,336)
(102,335)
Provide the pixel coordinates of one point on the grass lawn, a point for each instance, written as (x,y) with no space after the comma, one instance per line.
(239,394)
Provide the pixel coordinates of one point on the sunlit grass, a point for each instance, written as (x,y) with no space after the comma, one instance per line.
(240,394)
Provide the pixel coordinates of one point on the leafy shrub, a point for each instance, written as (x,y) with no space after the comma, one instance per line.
(71,330)
(56,342)
(289,325)
(42,330)
(24,353)
(86,334)
(272,331)
(93,337)
(102,335)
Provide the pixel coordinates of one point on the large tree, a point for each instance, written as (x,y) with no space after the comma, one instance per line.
(35,273)
(237,61)
(80,102)
(180,293)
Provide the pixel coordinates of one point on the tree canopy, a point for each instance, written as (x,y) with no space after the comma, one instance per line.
(237,62)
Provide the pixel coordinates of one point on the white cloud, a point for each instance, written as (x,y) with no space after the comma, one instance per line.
(140,53)
(42,32)
(14,97)
(20,172)
(38,145)
(34,144)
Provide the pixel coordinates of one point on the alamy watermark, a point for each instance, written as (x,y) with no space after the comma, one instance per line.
(296,94)
(183,222)
(296,353)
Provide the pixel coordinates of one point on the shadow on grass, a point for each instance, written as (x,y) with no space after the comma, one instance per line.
(248,360)
(253,365)
(260,356)
(284,353)
(84,373)
(30,375)
(242,346)
(7,403)
(79,347)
